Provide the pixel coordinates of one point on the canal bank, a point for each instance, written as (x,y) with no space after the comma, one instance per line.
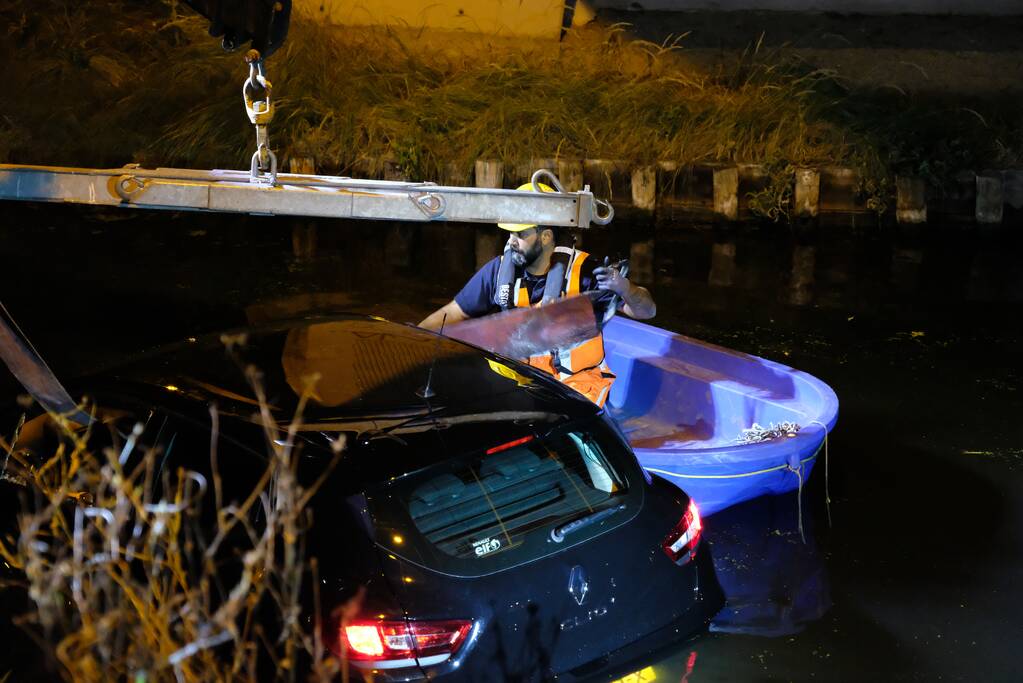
(744,130)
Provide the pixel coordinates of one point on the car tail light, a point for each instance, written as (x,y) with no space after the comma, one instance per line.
(680,545)
(394,641)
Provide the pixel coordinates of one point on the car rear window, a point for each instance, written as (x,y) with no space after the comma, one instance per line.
(509,502)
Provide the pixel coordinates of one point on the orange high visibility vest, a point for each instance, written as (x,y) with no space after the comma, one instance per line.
(581,366)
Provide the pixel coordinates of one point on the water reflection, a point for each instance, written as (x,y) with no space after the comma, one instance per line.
(398,244)
(641,262)
(174,275)
(774,583)
(189,274)
(907,264)
(804,260)
(837,269)
(722,264)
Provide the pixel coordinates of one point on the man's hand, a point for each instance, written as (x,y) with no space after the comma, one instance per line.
(609,279)
(636,301)
(448,314)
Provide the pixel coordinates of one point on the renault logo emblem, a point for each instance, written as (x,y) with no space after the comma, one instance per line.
(578,585)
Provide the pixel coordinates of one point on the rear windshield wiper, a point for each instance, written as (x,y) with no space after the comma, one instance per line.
(558,533)
(441,421)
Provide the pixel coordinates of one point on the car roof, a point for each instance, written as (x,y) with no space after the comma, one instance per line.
(349,367)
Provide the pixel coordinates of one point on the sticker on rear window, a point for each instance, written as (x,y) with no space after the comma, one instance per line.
(486,546)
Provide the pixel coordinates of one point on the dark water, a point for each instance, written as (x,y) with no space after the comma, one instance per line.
(917,576)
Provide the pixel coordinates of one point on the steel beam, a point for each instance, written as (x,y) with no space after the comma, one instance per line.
(294,195)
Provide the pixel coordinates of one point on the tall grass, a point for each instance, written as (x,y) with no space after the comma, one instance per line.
(145,83)
(131,580)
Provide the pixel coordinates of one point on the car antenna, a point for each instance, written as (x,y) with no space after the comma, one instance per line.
(427,391)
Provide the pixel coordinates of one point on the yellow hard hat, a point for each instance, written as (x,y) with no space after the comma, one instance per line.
(519,227)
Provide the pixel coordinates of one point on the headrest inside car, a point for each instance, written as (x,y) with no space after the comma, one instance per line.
(514,463)
(440,488)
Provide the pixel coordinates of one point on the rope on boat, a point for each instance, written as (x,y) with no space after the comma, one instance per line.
(796,467)
(827,491)
(799,500)
(732,476)
(756,434)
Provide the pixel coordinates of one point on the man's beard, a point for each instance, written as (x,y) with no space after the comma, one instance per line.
(526,258)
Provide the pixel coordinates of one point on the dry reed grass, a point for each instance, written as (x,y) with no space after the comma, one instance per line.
(128,585)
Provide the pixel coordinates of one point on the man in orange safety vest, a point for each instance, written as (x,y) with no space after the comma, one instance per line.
(533,270)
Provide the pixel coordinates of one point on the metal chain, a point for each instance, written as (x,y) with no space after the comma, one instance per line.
(256,93)
(756,433)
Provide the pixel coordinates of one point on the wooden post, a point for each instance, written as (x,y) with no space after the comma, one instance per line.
(808,192)
(455,175)
(644,188)
(839,191)
(302,165)
(726,193)
(1012,187)
(522,173)
(990,198)
(597,174)
(570,173)
(671,183)
(392,170)
(489,173)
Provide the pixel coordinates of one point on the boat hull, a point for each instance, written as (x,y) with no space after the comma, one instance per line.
(684,403)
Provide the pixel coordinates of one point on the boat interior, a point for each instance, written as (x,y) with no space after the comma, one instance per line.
(674,392)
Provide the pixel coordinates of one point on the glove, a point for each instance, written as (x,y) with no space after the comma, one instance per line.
(609,279)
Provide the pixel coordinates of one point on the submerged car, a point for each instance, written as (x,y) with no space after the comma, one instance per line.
(494,524)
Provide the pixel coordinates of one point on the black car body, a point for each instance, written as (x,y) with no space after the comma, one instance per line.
(498,522)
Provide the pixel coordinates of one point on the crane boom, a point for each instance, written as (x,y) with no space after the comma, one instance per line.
(296,195)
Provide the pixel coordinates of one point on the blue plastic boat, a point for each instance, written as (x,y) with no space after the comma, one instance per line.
(684,405)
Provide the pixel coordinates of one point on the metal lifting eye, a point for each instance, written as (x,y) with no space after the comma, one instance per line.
(127,186)
(605,218)
(602,212)
(542,172)
(432,205)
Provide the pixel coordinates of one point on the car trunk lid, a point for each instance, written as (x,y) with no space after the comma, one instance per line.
(507,536)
